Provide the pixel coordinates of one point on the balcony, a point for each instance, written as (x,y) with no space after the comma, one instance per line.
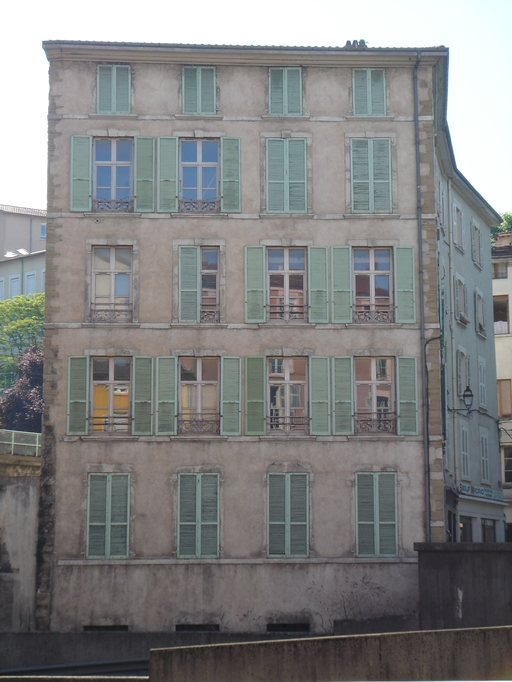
(111,313)
(20,443)
(118,425)
(199,206)
(199,424)
(373,314)
(286,311)
(278,423)
(376,422)
(112,205)
(210,314)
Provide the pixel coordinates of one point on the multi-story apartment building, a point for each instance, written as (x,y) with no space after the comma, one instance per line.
(247,424)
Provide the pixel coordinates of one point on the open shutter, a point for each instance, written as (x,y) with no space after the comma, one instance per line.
(119,515)
(190,102)
(360,94)
(299,545)
(342,381)
(360,175)
(276,150)
(405,308)
(209,531)
(255,395)
(97,516)
(294,91)
(78,396)
(187,515)
(297,194)
(381,175)
(189,283)
(166,376)
(276,500)
(207,90)
(255,284)
(122,89)
(365,505)
(319,403)
(407,397)
(230,174)
(276,92)
(317,284)
(144,174)
(104,90)
(167,174)
(378,92)
(81,173)
(142,405)
(456,298)
(341,274)
(387,514)
(230,396)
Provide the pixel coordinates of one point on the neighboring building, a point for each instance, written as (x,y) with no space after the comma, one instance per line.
(243,309)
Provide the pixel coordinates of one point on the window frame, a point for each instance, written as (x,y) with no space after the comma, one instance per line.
(287,106)
(286,314)
(480,313)
(463,371)
(287,423)
(363,172)
(286,523)
(110,316)
(501,298)
(482,383)
(42,231)
(33,275)
(2,289)
(108,523)
(113,203)
(276,177)
(476,245)
(198,522)
(199,205)
(484,455)
(371,93)
(464,451)
(369,312)
(378,420)
(498,268)
(503,397)
(108,419)
(373,519)
(458,232)
(13,279)
(460,293)
(199,96)
(507,472)
(188,307)
(199,421)
(114,86)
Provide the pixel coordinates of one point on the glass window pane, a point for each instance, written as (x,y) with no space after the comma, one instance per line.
(296,395)
(123,176)
(122,287)
(103,193)
(297,259)
(102,285)
(188,371)
(382,259)
(383,369)
(122,369)
(210,152)
(364,398)
(297,369)
(188,398)
(189,152)
(209,399)
(102,259)
(123,259)
(277,396)
(296,285)
(382,286)
(363,286)
(209,181)
(361,259)
(190,177)
(363,369)
(276,259)
(124,150)
(100,369)
(276,366)
(103,150)
(209,259)
(210,369)
(104,176)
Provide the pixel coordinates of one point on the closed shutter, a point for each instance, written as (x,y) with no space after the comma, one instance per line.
(378,92)
(343,419)
(276,181)
(407,397)
(144,174)
(81,173)
(198,515)
(187,515)
(297,195)
(360,175)
(341,277)
(255,395)
(276,500)
(230,396)
(381,175)
(78,396)
(255,284)
(276,92)
(294,91)
(108,509)
(376,514)
(464,450)
(207,90)
(142,406)
(299,544)
(97,516)
(365,506)
(209,534)
(360,92)
(387,514)
(288,515)
(456,299)
(371,175)
(166,376)
(119,515)
(190,99)
(199,90)
(104,90)
(317,284)
(122,94)
(113,90)
(189,283)
(405,308)
(167,174)
(230,174)
(319,398)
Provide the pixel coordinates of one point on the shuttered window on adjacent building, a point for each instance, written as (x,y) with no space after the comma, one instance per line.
(286,175)
(198,515)
(108,509)
(376,514)
(371,174)
(288,515)
(285,91)
(199,90)
(369,92)
(113,89)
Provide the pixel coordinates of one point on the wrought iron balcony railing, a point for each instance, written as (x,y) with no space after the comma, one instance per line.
(199,424)
(375,422)
(287,311)
(112,205)
(111,312)
(372,314)
(278,423)
(210,314)
(199,205)
(117,425)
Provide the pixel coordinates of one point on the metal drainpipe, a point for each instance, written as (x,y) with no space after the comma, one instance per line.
(424,379)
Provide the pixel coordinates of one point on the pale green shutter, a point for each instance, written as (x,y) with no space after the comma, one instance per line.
(209,515)
(387,514)
(207,90)
(299,540)
(276,189)
(190,99)
(166,375)
(230,174)
(189,287)
(144,174)
(97,516)
(365,507)
(360,92)
(255,284)
(122,89)
(104,90)
(360,175)
(341,277)
(167,174)
(343,413)
(407,397)
(119,515)
(81,173)
(381,175)
(276,92)
(230,396)
(319,403)
(297,193)
(294,92)
(142,404)
(276,514)
(317,284)
(405,308)
(187,515)
(378,92)
(78,396)
(255,395)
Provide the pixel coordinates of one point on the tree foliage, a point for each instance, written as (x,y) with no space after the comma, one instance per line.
(505,226)
(21,327)
(21,407)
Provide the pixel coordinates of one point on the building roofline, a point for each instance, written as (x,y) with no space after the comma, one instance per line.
(4,208)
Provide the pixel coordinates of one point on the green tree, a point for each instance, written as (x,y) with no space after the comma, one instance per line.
(21,327)
(506,225)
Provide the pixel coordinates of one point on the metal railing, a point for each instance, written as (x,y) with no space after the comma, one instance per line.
(210,314)
(287,311)
(21,443)
(112,205)
(199,424)
(111,312)
(375,422)
(112,426)
(373,314)
(291,424)
(199,205)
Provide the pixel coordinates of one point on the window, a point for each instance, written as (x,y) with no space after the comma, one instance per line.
(14,286)
(463,371)
(198,515)
(476,245)
(482,382)
(500,309)
(465,529)
(113,89)
(488,530)
(30,283)
(507,464)
(479,313)
(287,515)
(198,284)
(504,399)
(285,92)
(2,289)
(108,508)
(375,410)
(376,524)
(371,175)
(286,175)
(286,284)
(199,179)
(372,285)
(199,396)
(112,286)
(43,279)
(110,400)
(500,270)
(369,92)
(460,294)
(113,161)
(458,228)
(287,395)
(42,231)
(464,450)
(484,454)
(199,90)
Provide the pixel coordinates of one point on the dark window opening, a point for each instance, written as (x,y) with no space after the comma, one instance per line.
(105,628)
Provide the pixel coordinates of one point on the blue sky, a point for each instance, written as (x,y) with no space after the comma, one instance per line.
(476,31)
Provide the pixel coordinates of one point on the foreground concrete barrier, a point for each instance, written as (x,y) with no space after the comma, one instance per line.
(472,654)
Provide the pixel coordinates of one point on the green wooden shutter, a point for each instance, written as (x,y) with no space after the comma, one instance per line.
(297,193)
(78,396)
(276,189)
(209,515)
(187,515)
(230,174)
(387,514)
(276,92)
(276,514)
(341,274)
(142,403)
(294,91)
(343,413)
(378,92)
(122,84)
(255,276)
(81,173)
(255,395)
(97,516)
(190,99)
(144,174)
(119,515)
(189,275)
(207,90)
(167,174)
(104,90)
(299,541)
(230,396)
(360,92)
(360,175)
(166,394)
(407,397)
(405,308)
(365,506)
(317,284)
(381,175)
(319,396)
